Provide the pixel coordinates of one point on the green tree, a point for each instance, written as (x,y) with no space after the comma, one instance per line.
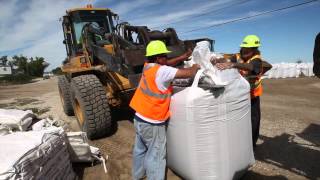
(57,71)
(4,60)
(22,63)
(37,66)
(33,67)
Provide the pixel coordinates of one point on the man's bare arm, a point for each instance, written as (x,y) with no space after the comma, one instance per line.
(243,66)
(187,72)
(176,60)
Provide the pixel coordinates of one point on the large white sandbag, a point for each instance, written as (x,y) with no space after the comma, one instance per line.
(16,119)
(291,70)
(35,155)
(298,70)
(310,69)
(284,70)
(304,69)
(271,72)
(209,132)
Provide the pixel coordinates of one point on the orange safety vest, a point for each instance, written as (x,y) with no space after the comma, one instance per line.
(148,100)
(255,81)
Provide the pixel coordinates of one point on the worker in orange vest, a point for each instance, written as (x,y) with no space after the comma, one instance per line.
(151,102)
(249,63)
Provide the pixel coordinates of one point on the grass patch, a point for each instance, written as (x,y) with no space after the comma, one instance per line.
(20,102)
(16,79)
(38,111)
(25,101)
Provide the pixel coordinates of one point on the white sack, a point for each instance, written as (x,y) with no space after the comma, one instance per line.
(201,55)
(35,155)
(304,69)
(310,69)
(4,130)
(209,132)
(16,119)
(79,148)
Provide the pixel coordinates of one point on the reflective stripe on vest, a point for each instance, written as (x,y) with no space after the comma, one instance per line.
(255,81)
(148,100)
(147,89)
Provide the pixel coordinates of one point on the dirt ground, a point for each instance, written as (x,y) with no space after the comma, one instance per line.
(288,148)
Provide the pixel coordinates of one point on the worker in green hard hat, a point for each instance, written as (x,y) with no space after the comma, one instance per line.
(151,102)
(249,64)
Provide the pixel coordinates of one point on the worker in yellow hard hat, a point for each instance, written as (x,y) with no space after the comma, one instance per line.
(249,64)
(151,102)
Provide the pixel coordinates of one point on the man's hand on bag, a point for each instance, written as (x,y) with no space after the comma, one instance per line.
(226,65)
(196,66)
(187,72)
(187,54)
(215,60)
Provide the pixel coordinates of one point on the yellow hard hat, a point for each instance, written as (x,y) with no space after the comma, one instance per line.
(156,47)
(250,41)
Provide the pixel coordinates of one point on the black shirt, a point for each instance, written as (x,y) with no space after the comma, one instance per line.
(256,63)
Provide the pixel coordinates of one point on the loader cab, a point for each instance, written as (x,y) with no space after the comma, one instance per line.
(74,21)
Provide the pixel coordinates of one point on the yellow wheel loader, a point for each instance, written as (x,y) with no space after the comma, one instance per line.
(104,64)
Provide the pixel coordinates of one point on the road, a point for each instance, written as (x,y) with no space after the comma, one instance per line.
(288,148)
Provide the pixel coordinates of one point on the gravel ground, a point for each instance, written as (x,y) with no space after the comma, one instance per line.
(288,148)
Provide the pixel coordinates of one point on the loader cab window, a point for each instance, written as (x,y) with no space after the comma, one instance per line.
(78,26)
(99,19)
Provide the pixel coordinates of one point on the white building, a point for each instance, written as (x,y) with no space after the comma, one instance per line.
(5,70)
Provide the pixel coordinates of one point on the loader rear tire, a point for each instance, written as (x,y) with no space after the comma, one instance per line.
(65,95)
(91,106)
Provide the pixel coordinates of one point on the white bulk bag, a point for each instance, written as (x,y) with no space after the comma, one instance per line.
(304,69)
(284,70)
(277,73)
(291,70)
(209,132)
(272,71)
(310,69)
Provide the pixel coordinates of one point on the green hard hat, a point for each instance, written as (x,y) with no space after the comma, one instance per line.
(156,47)
(250,41)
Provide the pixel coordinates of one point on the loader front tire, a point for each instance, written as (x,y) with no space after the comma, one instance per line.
(65,95)
(91,106)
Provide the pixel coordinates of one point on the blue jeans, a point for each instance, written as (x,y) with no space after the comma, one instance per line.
(149,152)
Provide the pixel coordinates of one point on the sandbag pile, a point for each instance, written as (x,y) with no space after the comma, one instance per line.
(40,149)
(289,70)
(15,119)
(35,155)
(209,132)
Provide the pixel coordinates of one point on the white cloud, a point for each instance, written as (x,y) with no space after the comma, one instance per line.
(35,21)
(123,8)
(51,48)
(34,27)
(183,12)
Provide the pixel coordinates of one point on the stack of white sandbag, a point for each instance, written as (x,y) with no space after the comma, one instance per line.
(40,149)
(289,70)
(15,119)
(209,132)
(35,155)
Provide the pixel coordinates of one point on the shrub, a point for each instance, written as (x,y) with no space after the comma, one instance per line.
(16,79)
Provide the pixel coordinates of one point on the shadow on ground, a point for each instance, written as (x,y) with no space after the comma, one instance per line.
(285,152)
(119,114)
(256,176)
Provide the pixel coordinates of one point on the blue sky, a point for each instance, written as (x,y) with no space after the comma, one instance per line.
(32,27)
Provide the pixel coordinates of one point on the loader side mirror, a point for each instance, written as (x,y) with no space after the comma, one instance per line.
(64,41)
